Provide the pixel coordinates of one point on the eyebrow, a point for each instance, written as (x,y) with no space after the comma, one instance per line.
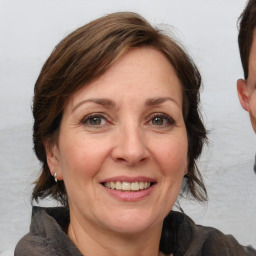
(110,103)
(157,101)
(103,102)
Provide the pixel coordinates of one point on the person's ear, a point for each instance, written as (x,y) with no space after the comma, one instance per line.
(52,156)
(243,94)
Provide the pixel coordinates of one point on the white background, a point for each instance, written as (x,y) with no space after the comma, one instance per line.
(29,30)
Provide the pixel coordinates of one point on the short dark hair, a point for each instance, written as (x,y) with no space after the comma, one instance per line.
(84,55)
(247,24)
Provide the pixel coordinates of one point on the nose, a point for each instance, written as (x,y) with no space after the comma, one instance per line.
(130,146)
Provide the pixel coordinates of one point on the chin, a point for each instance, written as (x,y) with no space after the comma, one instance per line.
(128,228)
(130,222)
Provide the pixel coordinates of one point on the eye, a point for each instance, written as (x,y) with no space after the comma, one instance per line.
(161,120)
(158,120)
(94,120)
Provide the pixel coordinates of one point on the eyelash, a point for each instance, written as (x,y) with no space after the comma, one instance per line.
(89,117)
(164,117)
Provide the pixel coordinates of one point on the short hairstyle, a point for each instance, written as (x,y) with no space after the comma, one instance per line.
(83,56)
(247,24)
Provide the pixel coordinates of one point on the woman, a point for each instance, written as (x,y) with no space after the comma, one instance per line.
(117,129)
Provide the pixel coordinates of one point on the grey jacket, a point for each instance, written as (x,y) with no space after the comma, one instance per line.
(180,236)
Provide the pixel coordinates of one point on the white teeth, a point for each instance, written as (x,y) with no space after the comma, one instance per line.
(127,186)
(141,185)
(135,186)
(112,185)
(118,185)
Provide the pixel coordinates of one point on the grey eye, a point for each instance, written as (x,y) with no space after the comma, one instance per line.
(96,120)
(161,120)
(158,120)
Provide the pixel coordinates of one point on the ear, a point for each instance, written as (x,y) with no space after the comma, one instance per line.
(243,94)
(52,155)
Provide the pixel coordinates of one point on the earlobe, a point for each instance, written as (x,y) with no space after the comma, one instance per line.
(243,94)
(52,155)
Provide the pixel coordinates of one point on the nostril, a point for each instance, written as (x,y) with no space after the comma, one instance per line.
(131,161)
(120,159)
(130,148)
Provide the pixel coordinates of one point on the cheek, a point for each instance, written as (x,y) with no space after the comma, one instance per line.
(172,156)
(81,158)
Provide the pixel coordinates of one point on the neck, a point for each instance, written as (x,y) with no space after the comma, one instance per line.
(91,241)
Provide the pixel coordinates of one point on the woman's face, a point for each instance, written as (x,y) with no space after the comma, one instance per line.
(122,148)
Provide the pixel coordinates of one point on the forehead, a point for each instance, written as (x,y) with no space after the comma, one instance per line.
(146,62)
(142,71)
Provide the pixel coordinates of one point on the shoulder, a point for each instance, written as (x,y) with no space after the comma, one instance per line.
(47,234)
(217,243)
(32,244)
(39,240)
(199,240)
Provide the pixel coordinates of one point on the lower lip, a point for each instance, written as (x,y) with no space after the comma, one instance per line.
(130,196)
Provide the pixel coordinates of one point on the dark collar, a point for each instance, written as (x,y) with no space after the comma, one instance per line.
(175,237)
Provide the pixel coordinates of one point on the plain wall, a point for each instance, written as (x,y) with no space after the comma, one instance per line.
(29,30)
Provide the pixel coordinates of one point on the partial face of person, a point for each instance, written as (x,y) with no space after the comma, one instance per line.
(122,148)
(247,89)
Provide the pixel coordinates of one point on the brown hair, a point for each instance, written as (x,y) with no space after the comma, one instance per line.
(247,23)
(85,55)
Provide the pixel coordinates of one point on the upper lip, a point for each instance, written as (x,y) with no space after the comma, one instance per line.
(128,179)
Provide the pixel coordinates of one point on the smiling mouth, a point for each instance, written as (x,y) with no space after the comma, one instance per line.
(128,186)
